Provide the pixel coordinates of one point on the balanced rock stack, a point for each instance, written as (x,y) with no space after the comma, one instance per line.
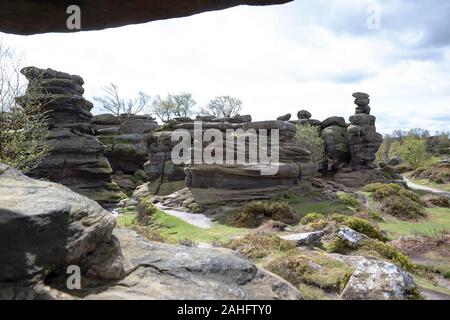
(363,139)
(362,101)
(334,134)
(77,158)
(304,117)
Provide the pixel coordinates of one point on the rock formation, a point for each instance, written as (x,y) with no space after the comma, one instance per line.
(45,227)
(16,16)
(77,157)
(363,140)
(213,183)
(127,140)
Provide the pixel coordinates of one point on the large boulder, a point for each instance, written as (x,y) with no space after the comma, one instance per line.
(378,280)
(336,146)
(163,271)
(45,226)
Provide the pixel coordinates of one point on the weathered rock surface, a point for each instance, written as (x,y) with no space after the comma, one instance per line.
(351,237)
(163,271)
(45,226)
(377,280)
(304,239)
(304,114)
(285,117)
(127,140)
(77,156)
(16,16)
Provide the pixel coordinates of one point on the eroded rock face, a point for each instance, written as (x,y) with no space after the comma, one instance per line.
(16,16)
(45,226)
(377,280)
(77,156)
(163,271)
(126,139)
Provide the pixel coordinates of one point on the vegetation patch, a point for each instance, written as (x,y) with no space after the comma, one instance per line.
(312,269)
(257,245)
(439,174)
(348,200)
(255,213)
(360,225)
(396,201)
(375,248)
(437,220)
(435,200)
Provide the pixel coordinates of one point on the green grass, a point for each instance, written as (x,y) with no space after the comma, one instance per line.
(179,230)
(430,284)
(436,220)
(311,202)
(427,183)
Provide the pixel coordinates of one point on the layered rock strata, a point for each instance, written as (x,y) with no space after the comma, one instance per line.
(77,157)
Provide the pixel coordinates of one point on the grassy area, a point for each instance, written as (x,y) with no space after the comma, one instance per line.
(179,230)
(310,203)
(430,284)
(436,220)
(427,183)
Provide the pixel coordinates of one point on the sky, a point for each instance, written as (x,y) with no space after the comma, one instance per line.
(277,59)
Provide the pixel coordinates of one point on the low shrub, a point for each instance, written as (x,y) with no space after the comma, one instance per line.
(396,201)
(348,200)
(434,200)
(402,207)
(360,225)
(255,213)
(144,211)
(311,217)
(257,246)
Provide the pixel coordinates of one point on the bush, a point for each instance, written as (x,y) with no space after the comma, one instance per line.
(308,137)
(145,211)
(401,207)
(370,245)
(257,246)
(311,217)
(433,200)
(413,150)
(299,268)
(255,213)
(360,225)
(348,200)
(396,201)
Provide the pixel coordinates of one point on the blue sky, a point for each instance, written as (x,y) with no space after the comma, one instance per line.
(302,55)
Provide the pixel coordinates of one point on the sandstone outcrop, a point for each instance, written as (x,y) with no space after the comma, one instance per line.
(127,139)
(163,271)
(45,227)
(16,16)
(77,158)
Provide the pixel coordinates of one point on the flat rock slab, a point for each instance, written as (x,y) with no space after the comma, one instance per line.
(196,219)
(303,239)
(163,271)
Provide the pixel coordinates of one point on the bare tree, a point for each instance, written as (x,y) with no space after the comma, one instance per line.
(223,107)
(112,101)
(164,108)
(23,127)
(183,104)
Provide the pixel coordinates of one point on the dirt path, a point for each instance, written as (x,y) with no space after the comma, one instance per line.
(416,186)
(196,219)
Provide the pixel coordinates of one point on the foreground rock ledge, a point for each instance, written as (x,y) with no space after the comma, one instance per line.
(163,271)
(45,227)
(34,16)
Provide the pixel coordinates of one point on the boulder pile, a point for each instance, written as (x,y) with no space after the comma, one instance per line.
(77,158)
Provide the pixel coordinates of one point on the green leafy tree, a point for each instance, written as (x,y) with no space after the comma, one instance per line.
(23,126)
(413,150)
(308,137)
